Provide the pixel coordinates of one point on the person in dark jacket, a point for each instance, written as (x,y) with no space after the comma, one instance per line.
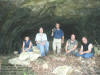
(87,49)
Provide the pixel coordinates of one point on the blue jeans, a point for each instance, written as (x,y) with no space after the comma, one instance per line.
(43,48)
(73,52)
(86,55)
(29,50)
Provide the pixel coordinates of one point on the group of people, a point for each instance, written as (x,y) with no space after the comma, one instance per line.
(71,47)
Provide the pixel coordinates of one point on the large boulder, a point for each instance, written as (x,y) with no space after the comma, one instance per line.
(26,57)
(63,70)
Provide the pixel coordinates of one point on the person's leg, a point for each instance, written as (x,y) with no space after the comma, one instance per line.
(41,47)
(54,46)
(29,50)
(68,54)
(77,54)
(88,55)
(59,46)
(47,47)
(74,52)
(20,51)
(38,46)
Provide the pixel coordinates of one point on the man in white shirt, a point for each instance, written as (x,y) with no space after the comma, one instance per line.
(42,42)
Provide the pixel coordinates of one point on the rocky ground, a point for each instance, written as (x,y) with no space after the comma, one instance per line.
(56,65)
(78,66)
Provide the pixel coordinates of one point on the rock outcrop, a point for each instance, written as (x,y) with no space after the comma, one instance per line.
(25,58)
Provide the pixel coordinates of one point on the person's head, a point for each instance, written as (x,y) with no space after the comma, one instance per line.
(41,30)
(84,40)
(57,25)
(73,37)
(27,38)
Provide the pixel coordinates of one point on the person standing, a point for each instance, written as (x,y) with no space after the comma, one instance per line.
(87,49)
(42,42)
(58,35)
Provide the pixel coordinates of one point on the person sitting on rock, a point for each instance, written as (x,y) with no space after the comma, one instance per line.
(42,42)
(27,45)
(87,49)
(71,45)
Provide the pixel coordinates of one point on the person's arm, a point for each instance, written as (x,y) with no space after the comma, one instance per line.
(89,49)
(62,37)
(36,39)
(44,39)
(66,47)
(23,46)
(73,48)
(52,34)
(30,45)
(81,50)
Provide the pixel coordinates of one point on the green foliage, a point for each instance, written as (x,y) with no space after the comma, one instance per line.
(25,73)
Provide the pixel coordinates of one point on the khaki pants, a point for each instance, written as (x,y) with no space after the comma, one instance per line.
(57,46)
